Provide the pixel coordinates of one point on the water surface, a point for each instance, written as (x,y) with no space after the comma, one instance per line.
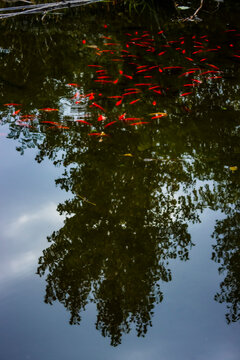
(120,146)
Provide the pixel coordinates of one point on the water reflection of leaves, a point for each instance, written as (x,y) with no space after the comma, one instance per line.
(116,254)
(226,251)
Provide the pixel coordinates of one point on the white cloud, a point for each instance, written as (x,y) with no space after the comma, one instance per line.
(223,352)
(139,354)
(40,217)
(24,238)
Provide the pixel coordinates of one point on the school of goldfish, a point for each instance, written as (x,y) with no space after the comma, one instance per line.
(122,83)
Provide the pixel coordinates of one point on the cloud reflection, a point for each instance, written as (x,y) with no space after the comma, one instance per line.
(24,237)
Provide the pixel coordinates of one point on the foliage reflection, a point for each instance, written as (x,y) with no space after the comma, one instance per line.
(135,191)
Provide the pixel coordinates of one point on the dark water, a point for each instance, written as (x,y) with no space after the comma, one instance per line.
(141,138)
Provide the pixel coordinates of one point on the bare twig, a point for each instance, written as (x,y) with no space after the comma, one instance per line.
(197,11)
(192,17)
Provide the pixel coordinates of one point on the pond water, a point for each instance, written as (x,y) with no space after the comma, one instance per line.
(120,179)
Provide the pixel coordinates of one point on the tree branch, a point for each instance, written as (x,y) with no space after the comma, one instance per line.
(192,17)
(196,12)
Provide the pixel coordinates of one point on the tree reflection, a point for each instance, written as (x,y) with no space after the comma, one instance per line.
(116,253)
(135,191)
(128,217)
(227,252)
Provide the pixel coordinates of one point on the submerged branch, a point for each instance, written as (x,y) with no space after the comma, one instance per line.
(193,17)
(197,11)
(42,8)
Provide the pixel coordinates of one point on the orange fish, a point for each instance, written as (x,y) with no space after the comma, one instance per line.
(12,104)
(214,77)
(213,66)
(104,81)
(109,124)
(98,106)
(122,117)
(134,101)
(62,127)
(209,72)
(103,77)
(142,70)
(187,73)
(142,84)
(140,123)
(90,96)
(154,87)
(101,118)
(16,112)
(159,116)
(196,52)
(185,94)
(49,109)
(128,76)
(172,67)
(84,122)
(158,92)
(119,102)
(50,122)
(76,95)
(197,81)
(97,66)
(98,134)
(130,93)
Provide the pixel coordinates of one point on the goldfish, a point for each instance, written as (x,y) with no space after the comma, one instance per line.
(97,66)
(119,102)
(16,112)
(98,134)
(185,94)
(159,116)
(73,84)
(50,122)
(109,124)
(98,106)
(134,101)
(187,73)
(140,123)
(101,118)
(62,127)
(84,122)
(12,104)
(48,109)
